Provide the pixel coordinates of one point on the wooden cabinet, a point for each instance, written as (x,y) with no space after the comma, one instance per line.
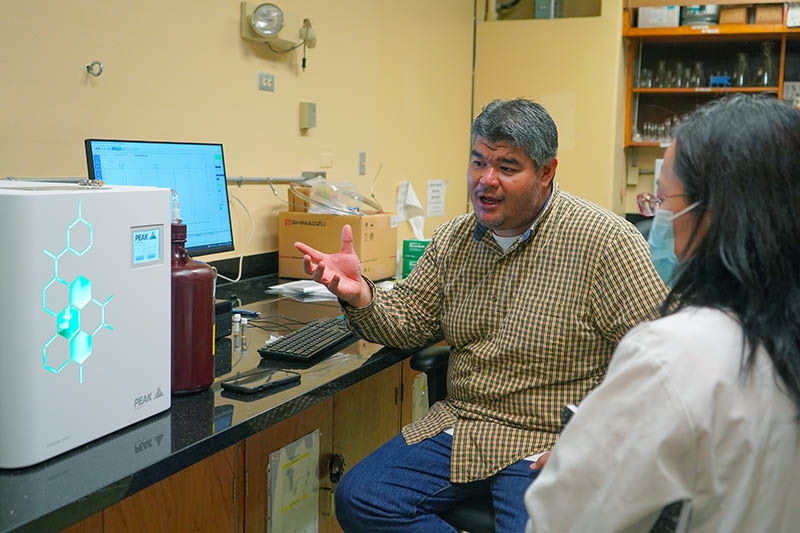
(407,392)
(353,423)
(367,414)
(202,497)
(653,106)
(228,491)
(258,447)
(90,524)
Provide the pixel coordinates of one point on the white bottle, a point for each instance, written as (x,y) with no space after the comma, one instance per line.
(236,332)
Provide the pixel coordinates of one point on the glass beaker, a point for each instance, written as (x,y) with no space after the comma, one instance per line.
(766,75)
(680,79)
(660,79)
(741,75)
(645,78)
(698,76)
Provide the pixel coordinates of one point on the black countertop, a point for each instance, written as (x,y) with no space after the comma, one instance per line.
(79,483)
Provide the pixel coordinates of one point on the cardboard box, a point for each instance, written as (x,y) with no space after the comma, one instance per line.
(769,14)
(793,15)
(295,202)
(412,251)
(733,14)
(374,240)
(659,17)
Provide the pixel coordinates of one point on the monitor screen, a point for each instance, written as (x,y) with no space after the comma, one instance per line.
(196,171)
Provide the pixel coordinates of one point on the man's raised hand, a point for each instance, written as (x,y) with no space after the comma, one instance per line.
(339,272)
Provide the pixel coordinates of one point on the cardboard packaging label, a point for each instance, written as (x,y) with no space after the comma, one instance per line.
(374,241)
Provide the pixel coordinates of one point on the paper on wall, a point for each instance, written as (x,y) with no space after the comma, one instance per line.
(437,193)
(410,208)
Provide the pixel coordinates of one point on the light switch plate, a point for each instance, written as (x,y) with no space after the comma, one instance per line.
(633,176)
(362,163)
(308,115)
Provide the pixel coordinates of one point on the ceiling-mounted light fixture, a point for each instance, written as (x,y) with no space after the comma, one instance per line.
(281,31)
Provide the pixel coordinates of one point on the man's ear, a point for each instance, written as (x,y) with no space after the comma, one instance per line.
(548,171)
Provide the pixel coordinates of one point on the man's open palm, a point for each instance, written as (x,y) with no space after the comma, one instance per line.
(339,272)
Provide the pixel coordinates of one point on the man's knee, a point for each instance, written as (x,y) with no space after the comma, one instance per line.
(347,488)
(356,497)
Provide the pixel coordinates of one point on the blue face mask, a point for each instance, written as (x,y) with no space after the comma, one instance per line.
(662,242)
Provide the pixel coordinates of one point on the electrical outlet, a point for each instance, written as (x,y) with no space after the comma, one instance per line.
(326,160)
(266,82)
(362,163)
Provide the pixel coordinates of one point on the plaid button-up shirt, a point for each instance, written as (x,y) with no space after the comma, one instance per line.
(530,330)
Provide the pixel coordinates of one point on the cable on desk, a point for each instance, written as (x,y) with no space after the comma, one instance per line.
(267,323)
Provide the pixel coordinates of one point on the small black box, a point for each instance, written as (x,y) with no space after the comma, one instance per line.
(223,311)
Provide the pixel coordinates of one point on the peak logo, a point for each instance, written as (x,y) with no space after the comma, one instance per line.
(144,399)
(292,222)
(146,444)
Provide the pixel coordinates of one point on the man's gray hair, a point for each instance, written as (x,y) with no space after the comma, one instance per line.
(526,124)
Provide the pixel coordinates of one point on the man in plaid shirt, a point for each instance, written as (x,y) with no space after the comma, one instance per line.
(532,291)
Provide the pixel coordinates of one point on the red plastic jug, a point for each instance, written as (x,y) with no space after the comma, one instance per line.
(192,318)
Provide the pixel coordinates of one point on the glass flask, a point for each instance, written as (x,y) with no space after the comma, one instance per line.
(698,75)
(741,75)
(660,79)
(680,79)
(766,76)
(645,78)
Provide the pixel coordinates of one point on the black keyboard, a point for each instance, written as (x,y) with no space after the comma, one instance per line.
(315,340)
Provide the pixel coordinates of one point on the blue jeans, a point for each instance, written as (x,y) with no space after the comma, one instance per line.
(401,488)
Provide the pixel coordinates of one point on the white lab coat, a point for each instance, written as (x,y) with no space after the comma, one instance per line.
(674,420)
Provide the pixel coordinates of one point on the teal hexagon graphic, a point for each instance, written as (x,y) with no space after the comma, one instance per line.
(55,295)
(80,347)
(55,354)
(70,342)
(68,322)
(80,292)
(83,237)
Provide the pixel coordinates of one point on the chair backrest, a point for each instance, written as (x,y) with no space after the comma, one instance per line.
(433,361)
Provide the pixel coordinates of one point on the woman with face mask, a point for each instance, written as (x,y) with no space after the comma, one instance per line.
(696,424)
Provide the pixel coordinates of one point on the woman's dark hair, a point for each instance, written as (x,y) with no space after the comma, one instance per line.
(740,158)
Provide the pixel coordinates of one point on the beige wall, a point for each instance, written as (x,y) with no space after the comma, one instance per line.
(575,68)
(392,80)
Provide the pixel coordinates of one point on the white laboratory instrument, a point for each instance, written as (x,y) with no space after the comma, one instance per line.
(85,314)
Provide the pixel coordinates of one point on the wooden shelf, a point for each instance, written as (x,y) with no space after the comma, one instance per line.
(763,31)
(703,90)
(652,144)
(638,41)
(749,30)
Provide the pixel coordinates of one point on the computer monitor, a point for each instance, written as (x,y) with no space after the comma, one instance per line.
(195,170)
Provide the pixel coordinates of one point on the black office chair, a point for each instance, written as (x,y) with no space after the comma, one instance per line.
(644,227)
(475,515)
